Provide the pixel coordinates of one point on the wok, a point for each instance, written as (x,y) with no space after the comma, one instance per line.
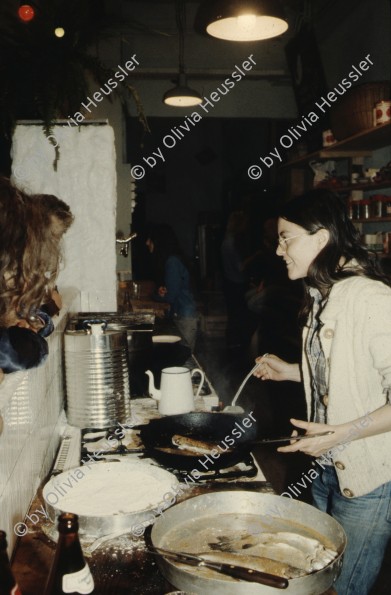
(233,435)
(216,427)
(173,530)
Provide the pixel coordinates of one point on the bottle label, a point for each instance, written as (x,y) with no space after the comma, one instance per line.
(16,591)
(78,582)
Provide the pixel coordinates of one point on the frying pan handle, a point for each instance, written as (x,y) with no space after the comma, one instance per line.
(254,576)
(195,371)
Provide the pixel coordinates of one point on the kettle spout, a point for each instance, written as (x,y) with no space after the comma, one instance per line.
(155,393)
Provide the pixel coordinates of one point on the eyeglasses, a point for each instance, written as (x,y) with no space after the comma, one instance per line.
(282,242)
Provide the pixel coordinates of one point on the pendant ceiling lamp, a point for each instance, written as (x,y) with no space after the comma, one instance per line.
(241,20)
(181,95)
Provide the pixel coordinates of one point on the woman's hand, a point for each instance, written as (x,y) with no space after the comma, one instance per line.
(315,447)
(272,367)
(57,299)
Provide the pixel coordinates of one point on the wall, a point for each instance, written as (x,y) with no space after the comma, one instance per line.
(30,405)
(347,31)
(214,60)
(86,180)
(111,110)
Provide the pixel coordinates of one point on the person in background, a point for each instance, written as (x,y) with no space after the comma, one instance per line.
(28,251)
(173,281)
(346,369)
(235,259)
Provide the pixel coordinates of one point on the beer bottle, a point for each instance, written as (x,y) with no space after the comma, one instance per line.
(8,585)
(70,572)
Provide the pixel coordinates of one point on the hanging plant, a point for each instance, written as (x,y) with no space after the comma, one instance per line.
(45,77)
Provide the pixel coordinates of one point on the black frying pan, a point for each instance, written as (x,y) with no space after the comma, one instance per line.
(225,429)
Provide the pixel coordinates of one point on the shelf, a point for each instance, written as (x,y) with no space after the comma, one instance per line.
(360,145)
(372,220)
(369,187)
(365,187)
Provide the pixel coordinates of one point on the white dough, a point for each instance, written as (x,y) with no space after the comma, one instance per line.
(109,488)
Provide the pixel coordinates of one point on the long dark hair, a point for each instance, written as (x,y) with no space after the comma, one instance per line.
(322,209)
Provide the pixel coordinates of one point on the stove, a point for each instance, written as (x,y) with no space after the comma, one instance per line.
(89,445)
(129,321)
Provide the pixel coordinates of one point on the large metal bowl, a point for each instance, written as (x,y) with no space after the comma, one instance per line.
(75,482)
(236,502)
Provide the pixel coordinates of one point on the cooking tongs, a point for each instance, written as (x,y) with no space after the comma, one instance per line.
(238,572)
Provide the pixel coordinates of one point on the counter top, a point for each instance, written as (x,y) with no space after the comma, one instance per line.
(138,296)
(123,565)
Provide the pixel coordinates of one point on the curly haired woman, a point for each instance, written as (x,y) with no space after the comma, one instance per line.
(29,257)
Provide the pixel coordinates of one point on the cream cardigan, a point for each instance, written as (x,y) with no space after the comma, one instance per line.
(356,339)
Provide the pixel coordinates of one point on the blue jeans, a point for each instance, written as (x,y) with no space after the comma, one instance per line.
(367,524)
(188,327)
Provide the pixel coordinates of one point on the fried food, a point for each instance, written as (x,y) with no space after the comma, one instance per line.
(195,446)
(300,551)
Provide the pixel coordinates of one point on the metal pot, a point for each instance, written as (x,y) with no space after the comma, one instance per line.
(97,377)
(277,509)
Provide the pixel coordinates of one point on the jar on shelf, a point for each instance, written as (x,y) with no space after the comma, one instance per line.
(383,112)
(350,208)
(387,242)
(374,241)
(354,209)
(378,205)
(365,209)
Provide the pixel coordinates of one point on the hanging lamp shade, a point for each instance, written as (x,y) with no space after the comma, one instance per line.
(182,95)
(241,20)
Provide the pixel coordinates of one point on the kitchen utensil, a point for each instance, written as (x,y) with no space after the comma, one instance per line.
(244,382)
(204,426)
(176,390)
(289,438)
(210,445)
(97,377)
(243,511)
(238,572)
(110,497)
(218,428)
(233,408)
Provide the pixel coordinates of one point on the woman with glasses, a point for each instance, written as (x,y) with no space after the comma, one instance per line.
(346,370)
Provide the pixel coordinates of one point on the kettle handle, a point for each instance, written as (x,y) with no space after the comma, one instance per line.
(202,374)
